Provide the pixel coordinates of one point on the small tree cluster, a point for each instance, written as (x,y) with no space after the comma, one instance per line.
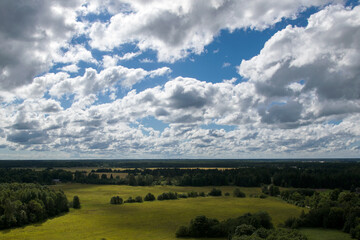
(238,193)
(215,192)
(201,226)
(116,200)
(167,196)
(149,197)
(244,225)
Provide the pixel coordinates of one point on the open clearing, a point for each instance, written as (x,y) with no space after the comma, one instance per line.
(98,219)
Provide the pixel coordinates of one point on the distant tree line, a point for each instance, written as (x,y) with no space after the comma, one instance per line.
(295,174)
(184,163)
(9,175)
(23,203)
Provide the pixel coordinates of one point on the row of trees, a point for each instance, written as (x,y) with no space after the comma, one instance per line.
(23,203)
(173,195)
(119,200)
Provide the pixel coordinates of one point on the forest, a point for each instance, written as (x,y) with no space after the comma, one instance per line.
(344,175)
(25,203)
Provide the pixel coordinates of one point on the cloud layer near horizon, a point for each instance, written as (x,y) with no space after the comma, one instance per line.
(298,97)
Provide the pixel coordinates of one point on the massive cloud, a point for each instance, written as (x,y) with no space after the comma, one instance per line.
(31,34)
(299,95)
(176,28)
(310,72)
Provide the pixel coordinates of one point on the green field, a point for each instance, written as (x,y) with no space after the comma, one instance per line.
(97,219)
(326,234)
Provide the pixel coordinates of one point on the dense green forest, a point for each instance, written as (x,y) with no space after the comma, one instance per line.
(257,226)
(335,209)
(23,203)
(170,163)
(344,175)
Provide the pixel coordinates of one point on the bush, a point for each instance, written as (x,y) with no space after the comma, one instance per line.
(215,192)
(76,202)
(182,195)
(238,193)
(355,232)
(149,197)
(130,200)
(227,194)
(202,194)
(202,226)
(262,196)
(193,194)
(244,229)
(262,232)
(138,199)
(116,200)
(167,196)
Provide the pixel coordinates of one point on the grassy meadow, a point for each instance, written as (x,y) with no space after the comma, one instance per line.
(326,234)
(98,219)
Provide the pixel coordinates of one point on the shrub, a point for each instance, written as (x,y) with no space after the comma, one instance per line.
(149,197)
(202,194)
(262,232)
(116,200)
(215,192)
(238,193)
(138,199)
(227,194)
(130,200)
(355,232)
(202,226)
(193,194)
(182,195)
(244,229)
(76,202)
(167,196)
(262,196)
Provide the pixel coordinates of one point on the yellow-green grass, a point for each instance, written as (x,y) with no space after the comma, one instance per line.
(98,219)
(325,234)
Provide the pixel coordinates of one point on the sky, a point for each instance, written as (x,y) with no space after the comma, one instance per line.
(134,79)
